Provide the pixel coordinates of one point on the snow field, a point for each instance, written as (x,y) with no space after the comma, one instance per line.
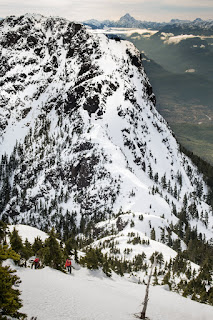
(89,295)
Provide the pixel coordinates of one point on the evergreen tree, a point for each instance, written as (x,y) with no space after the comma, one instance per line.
(3,228)
(152,234)
(163,182)
(76,256)
(106,266)
(70,245)
(156,178)
(162,235)
(166,279)
(150,173)
(37,245)
(52,255)
(93,258)
(16,242)
(10,301)
(27,250)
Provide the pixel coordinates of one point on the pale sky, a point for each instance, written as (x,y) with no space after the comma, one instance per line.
(80,10)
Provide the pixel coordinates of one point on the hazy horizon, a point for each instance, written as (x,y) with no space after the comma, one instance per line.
(147,10)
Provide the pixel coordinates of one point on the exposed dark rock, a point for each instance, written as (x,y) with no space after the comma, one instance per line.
(86,171)
(120,224)
(70,53)
(83,146)
(85,68)
(11,39)
(38,51)
(71,102)
(55,62)
(135,60)
(72,29)
(25,112)
(4,66)
(92,104)
(47,68)
(32,41)
(150,93)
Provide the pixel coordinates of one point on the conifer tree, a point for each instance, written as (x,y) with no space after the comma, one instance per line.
(152,234)
(70,245)
(162,235)
(106,267)
(93,259)
(10,301)
(52,254)
(76,256)
(37,245)
(3,231)
(16,242)
(27,250)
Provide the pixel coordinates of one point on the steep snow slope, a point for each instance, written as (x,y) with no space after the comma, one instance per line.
(50,294)
(82,136)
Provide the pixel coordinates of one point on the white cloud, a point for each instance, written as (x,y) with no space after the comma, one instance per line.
(176,39)
(126,31)
(190,71)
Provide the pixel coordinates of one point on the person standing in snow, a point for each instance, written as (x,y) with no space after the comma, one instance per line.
(36,263)
(68,265)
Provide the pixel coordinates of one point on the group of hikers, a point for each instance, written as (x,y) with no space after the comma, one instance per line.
(68,264)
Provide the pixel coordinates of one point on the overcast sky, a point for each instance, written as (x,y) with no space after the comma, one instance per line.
(80,10)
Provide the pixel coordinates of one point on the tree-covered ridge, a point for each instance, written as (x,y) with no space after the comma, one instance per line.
(204,167)
(178,272)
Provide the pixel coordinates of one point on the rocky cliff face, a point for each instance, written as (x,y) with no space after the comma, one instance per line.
(80,137)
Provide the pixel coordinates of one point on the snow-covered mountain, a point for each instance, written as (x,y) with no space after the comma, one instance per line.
(196,27)
(83,147)
(126,21)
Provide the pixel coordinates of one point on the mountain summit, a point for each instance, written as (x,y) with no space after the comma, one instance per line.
(81,140)
(127,19)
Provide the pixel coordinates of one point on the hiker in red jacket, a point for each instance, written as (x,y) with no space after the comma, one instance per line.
(36,263)
(68,265)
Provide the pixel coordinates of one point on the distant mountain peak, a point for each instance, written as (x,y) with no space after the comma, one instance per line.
(127,16)
(198,20)
(128,21)
(174,21)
